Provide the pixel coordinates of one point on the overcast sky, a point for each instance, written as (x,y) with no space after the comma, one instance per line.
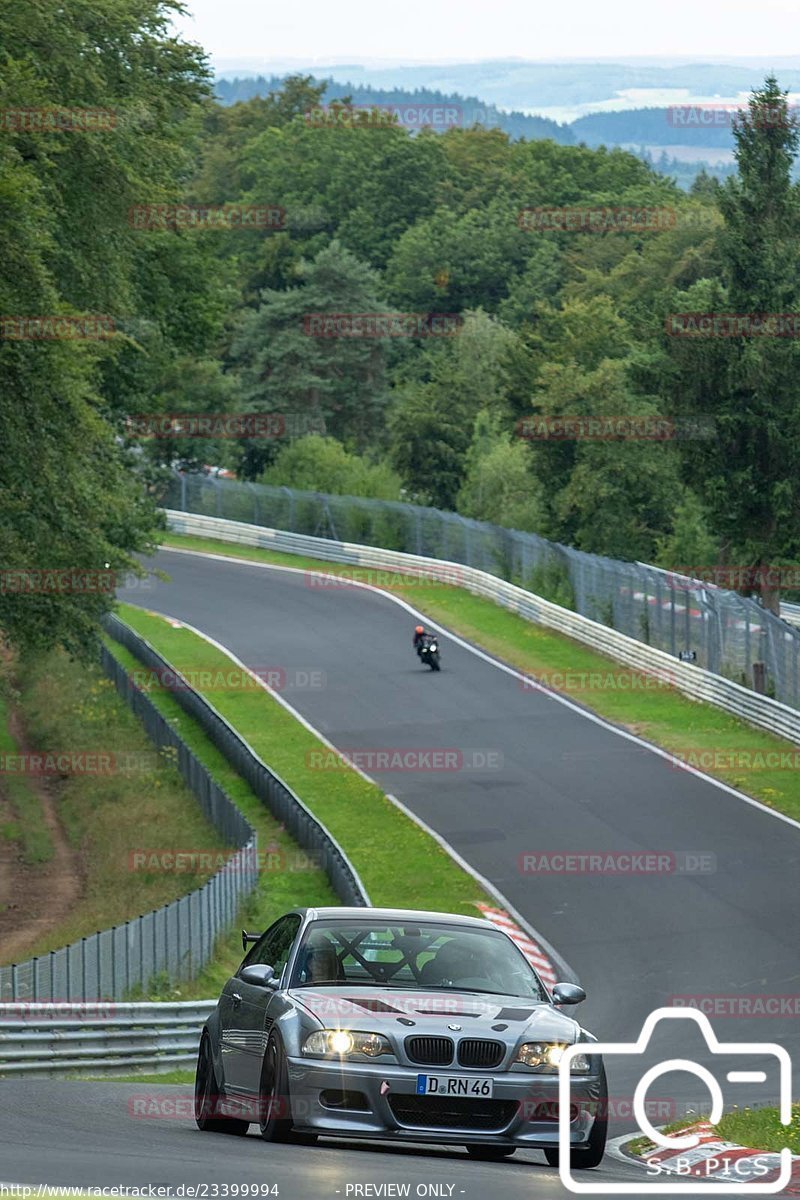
(459,30)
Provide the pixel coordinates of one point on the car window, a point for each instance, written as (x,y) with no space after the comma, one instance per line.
(274,946)
(427,954)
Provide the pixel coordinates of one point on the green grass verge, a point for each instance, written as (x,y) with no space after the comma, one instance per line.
(755,1128)
(400,864)
(26,827)
(290,880)
(67,705)
(761,1129)
(660,714)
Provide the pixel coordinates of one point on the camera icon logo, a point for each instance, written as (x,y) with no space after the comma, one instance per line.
(689,1141)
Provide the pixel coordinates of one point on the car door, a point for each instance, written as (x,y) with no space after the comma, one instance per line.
(251,1004)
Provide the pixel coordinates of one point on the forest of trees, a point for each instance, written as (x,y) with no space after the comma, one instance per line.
(551,324)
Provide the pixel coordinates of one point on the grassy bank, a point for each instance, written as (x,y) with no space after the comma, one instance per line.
(755,1128)
(697,733)
(69,706)
(761,1129)
(290,879)
(22,825)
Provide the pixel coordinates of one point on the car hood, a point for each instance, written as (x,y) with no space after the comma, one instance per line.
(428,1012)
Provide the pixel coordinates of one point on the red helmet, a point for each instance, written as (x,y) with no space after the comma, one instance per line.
(419,629)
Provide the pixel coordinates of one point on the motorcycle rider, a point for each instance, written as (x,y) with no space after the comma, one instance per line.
(419,637)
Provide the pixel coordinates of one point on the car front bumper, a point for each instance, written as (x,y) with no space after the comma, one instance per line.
(382,1102)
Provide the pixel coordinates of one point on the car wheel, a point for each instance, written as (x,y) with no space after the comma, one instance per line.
(275,1107)
(490,1153)
(304,1139)
(207,1097)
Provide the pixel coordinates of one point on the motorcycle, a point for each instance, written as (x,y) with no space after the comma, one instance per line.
(429,653)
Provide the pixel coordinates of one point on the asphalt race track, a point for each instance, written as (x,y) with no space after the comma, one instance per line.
(555,782)
(78,1133)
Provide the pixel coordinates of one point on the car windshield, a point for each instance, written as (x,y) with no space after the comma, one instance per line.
(426,955)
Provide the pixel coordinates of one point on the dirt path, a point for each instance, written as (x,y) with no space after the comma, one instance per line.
(35,898)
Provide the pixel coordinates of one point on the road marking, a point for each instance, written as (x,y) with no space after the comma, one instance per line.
(520,675)
(541,944)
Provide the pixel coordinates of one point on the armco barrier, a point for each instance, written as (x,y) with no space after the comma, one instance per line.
(176,940)
(725,632)
(61,1039)
(690,679)
(283,803)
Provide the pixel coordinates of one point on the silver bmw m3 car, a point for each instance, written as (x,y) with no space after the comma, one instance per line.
(397,1025)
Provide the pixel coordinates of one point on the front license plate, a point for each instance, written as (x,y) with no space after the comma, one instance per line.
(455,1085)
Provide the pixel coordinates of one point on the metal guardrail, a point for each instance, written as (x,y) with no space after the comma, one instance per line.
(106,1038)
(72,1036)
(727,632)
(176,940)
(791,613)
(692,680)
(283,803)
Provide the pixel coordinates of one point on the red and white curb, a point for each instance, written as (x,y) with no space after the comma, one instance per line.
(533,952)
(712,1159)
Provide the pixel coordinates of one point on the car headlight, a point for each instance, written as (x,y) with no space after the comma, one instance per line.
(545,1057)
(346,1043)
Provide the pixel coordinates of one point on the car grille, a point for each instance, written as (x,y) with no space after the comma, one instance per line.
(431,1051)
(451,1112)
(477,1052)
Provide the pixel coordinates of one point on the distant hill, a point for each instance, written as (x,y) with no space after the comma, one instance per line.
(473,110)
(678,126)
(517,84)
(643,130)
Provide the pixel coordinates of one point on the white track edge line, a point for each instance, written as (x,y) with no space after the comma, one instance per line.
(558,959)
(576,708)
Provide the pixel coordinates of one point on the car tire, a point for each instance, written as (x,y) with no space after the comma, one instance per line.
(274,1101)
(207,1096)
(490,1153)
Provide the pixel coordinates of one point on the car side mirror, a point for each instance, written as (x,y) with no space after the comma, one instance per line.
(259,975)
(568,993)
